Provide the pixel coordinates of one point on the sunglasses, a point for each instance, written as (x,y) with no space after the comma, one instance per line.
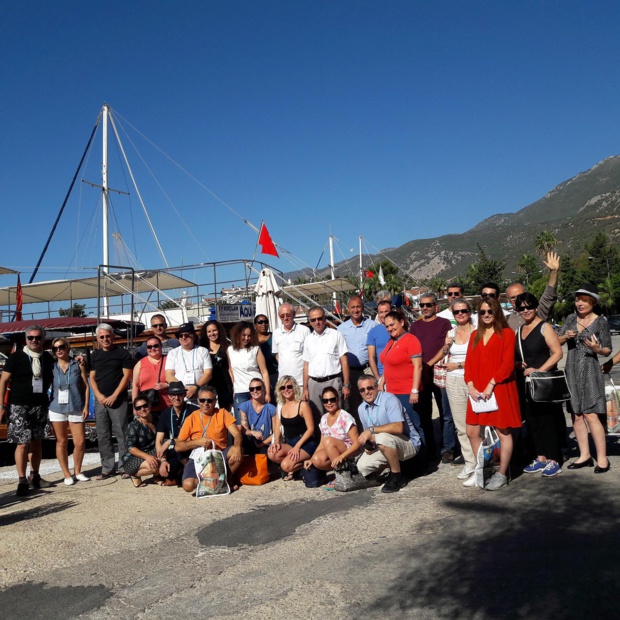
(367,389)
(154,325)
(105,337)
(483,312)
(262,322)
(140,407)
(153,346)
(209,401)
(256,388)
(60,347)
(175,395)
(285,316)
(493,295)
(185,335)
(317,319)
(463,311)
(285,387)
(522,308)
(31,338)
(426,305)
(326,401)
(454,294)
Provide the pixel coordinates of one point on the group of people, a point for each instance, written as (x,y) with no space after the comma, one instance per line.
(312,399)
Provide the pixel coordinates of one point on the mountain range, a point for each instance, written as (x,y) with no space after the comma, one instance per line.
(573,212)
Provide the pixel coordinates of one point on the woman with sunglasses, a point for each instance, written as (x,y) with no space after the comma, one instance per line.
(69,409)
(294,429)
(490,371)
(150,374)
(141,459)
(257,420)
(587,336)
(246,362)
(213,337)
(539,349)
(456,345)
(339,435)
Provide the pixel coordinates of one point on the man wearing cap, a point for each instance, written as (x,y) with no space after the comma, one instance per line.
(547,299)
(288,344)
(29,371)
(168,428)
(189,363)
(159,327)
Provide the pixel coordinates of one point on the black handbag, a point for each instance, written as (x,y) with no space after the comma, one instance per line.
(152,395)
(547,386)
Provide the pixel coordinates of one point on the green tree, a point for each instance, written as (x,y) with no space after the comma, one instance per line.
(484,270)
(76,310)
(168,305)
(437,285)
(603,259)
(545,242)
(528,267)
(571,278)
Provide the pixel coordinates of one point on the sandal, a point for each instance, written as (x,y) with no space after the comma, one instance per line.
(125,476)
(330,486)
(290,476)
(137,481)
(103,476)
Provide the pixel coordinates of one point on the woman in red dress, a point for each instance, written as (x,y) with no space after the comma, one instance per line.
(489,369)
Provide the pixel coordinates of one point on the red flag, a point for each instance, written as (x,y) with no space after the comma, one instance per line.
(337,308)
(369,274)
(18,300)
(265,241)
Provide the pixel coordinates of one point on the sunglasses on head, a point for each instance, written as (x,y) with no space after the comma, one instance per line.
(60,347)
(206,400)
(316,319)
(463,311)
(493,295)
(262,322)
(139,407)
(153,346)
(154,325)
(483,312)
(367,389)
(326,401)
(286,387)
(426,305)
(522,308)
(31,338)
(256,388)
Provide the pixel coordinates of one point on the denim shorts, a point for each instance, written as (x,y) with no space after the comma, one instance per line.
(310,446)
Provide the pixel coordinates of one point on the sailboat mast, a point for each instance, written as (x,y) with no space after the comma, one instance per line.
(331,264)
(106,198)
(361,267)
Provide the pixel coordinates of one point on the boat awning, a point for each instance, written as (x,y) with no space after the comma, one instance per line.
(339,285)
(5,270)
(112,285)
(69,324)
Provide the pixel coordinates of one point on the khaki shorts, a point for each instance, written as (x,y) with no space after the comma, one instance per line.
(369,463)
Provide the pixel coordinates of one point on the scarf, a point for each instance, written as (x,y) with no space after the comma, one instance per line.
(35,361)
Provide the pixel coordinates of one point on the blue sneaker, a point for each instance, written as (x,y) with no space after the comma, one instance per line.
(535,466)
(552,469)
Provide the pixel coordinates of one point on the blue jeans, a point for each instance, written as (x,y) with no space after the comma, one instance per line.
(447,424)
(413,414)
(241,397)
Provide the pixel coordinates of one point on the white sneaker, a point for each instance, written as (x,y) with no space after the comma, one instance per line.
(470,482)
(496,481)
(82,478)
(466,472)
(69,481)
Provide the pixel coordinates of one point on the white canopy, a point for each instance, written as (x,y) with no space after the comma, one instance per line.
(112,285)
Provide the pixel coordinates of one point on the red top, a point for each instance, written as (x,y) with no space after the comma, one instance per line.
(148,378)
(397,366)
(495,360)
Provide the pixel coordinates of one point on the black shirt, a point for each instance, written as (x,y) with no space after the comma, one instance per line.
(20,367)
(108,367)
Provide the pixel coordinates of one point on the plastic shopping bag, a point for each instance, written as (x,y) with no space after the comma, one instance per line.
(212,474)
(488,456)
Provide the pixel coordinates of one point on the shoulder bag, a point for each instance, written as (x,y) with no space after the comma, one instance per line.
(546,386)
(152,395)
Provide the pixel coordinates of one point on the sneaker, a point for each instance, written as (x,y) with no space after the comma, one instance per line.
(535,466)
(36,482)
(394,483)
(23,488)
(470,482)
(447,456)
(466,472)
(496,481)
(82,478)
(553,469)
(69,481)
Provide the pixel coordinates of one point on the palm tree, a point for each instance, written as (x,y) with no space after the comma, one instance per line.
(545,242)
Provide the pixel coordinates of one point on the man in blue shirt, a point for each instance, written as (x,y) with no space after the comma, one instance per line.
(355,333)
(388,438)
(377,338)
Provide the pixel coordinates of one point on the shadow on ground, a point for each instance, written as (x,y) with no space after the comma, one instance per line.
(541,548)
(30,511)
(35,601)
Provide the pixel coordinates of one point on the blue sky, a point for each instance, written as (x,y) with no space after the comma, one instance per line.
(391,120)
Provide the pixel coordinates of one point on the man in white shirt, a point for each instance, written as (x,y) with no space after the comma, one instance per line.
(455,291)
(288,344)
(189,363)
(325,362)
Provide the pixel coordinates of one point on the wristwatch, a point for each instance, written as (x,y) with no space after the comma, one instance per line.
(347,385)
(414,391)
(371,429)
